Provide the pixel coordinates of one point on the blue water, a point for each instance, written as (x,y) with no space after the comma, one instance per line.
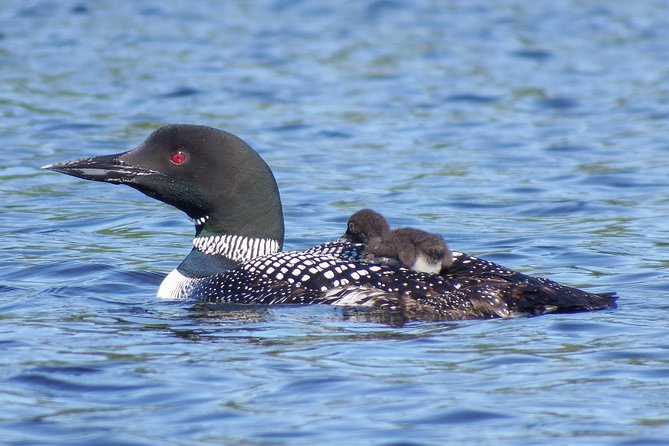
(535,134)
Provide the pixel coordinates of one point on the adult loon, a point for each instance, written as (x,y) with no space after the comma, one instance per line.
(230,193)
(409,247)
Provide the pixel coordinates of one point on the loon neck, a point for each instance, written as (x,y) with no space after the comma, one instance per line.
(216,251)
(236,248)
(214,254)
(198,265)
(212,228)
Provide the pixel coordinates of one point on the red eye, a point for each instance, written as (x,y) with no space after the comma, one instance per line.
(178,158)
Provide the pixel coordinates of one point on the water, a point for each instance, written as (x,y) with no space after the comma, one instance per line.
(531,133)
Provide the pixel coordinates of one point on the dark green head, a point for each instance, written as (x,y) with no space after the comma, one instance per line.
(213,176)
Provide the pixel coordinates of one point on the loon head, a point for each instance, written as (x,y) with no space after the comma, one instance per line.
(365,226)
(213,176)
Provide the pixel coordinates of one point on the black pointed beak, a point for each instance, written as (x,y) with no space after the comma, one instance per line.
(106,168)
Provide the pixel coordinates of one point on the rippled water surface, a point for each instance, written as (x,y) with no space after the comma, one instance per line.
(535,134)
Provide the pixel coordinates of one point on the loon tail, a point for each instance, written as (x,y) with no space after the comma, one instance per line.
(540,296)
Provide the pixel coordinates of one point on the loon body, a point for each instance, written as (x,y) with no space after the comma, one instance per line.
(409,247)
(231,195)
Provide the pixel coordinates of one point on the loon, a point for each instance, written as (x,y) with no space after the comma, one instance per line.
(231,195)
(409,247)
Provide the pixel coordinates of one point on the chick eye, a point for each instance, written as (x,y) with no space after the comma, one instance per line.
(178,158)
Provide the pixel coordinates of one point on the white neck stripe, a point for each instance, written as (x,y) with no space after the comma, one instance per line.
(235,247)
(201,221)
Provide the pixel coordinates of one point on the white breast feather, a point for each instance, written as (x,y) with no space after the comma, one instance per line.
(175,286)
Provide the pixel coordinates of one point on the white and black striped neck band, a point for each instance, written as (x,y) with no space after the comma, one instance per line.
(235,247)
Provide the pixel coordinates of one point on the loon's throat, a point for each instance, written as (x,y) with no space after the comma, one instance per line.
(235,247)
(199,222)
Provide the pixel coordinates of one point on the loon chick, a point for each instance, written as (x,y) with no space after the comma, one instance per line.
(230,193)
(412,248)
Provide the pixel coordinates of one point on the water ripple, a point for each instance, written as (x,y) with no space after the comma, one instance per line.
(531,133)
